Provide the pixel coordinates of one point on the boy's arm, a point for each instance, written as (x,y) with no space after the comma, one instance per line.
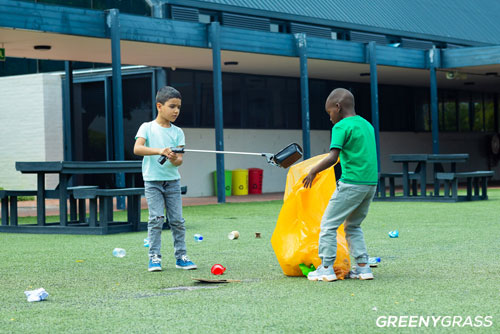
(142,150)
(327,162)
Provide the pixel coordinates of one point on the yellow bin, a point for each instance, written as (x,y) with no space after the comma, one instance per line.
(240,182)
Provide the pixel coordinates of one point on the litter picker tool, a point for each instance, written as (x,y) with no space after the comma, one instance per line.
(284,158)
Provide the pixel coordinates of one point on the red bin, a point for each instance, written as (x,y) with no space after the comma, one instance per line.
(255,176)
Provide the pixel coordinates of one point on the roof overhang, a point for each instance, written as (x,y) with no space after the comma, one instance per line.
(176,44)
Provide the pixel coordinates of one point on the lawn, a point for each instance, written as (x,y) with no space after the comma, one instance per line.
(444,263)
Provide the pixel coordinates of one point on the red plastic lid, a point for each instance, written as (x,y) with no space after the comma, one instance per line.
(218,269)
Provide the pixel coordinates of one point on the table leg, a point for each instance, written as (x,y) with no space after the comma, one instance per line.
(423,179)
(406,180)
(40,199)
(5,211)
(436,168)
(63,199)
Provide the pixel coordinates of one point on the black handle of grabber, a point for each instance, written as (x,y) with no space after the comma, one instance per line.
(163,158)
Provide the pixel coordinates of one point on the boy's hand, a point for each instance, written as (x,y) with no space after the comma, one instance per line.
(308,180)
(172,156)
(165,151)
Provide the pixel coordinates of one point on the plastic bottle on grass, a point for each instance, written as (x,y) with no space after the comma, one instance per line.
(119,252)
(394,234)
(198,237)
(373,261)
(146,242)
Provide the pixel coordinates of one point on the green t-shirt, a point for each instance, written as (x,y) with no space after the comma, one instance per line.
(355,137)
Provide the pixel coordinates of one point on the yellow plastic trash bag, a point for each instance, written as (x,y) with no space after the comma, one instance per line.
(295,238)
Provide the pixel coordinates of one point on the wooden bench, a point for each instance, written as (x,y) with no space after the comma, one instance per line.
(10,213)
(477,180)
(10,197)
(391,177)
(105,198)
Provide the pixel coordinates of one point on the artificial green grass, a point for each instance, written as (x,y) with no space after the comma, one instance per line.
(444,263)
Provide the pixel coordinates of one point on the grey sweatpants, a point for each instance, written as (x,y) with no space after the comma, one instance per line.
(162,195)
(349,203)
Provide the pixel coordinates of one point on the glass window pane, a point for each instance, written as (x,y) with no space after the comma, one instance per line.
(182,80)
(277,95)
(231,97)
(291,105)
(17,66)
(124,6)
(463,112)
(204,108)
(477,109)
(258,111)
(395,105)
(318,93)
(489,113)
(89,122)
(422,110)
(137,109)
(450,112)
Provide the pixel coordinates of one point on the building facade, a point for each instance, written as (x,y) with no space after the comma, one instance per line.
(265,104)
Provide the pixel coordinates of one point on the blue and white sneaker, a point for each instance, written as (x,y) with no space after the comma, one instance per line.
(154,263)
(362,273)
(185,263)
(322,274)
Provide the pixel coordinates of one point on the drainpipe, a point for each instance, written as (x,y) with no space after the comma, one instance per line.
(156,8)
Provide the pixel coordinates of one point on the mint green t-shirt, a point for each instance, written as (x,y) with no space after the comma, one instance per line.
(159,137)
(355,137)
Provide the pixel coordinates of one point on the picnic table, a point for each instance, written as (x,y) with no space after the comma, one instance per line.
(420,173)
(444,172)
(65,170)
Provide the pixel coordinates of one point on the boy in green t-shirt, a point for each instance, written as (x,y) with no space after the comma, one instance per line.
(353,139)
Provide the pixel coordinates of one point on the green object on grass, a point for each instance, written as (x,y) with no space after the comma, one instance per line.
(305,269)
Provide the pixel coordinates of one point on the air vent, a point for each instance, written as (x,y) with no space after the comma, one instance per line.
(364,37)
(310,30)
(185,14)
(246,22)
(416,44)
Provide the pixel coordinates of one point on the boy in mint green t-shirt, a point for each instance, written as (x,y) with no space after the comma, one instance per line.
(162,182)
(353,140)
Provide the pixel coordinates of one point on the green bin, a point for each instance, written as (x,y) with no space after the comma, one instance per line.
(228,178)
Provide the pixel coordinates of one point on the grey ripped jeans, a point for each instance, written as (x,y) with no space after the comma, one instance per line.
(162,195)
(349,205)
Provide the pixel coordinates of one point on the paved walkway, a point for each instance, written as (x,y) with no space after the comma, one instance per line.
(28,208)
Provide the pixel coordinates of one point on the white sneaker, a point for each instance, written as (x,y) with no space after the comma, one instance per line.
(362,273)
(322,274)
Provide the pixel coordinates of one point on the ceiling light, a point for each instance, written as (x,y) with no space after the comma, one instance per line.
(230,63)
(42,47)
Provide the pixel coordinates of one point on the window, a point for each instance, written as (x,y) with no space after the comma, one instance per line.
(231,87)
(89,121)
(463,111)
(183,81)
(124,6)
(422,109)
(477,112)
(395,108)
(271,102)
(447,111)
(489,112)
(137,108)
